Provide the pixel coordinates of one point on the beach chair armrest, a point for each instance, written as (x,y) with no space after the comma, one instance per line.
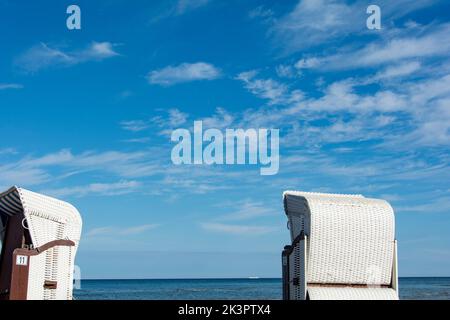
(44,247)
(394,279)
(294,269)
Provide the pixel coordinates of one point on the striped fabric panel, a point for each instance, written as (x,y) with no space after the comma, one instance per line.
(10,204)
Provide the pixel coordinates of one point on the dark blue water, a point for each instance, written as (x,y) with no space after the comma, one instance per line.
(201,289)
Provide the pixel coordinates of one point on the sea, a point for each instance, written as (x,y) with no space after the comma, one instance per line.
(229,289)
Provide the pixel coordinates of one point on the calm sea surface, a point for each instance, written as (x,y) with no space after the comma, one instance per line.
(410,288)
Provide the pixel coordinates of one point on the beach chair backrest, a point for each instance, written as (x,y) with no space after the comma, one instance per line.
(350,238)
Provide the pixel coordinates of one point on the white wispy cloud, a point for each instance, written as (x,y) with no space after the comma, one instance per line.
(22,176)
(110,231)
(98,51)
(221,119)
(261,12)
(183,6)
(247,209)
(287,71)
(177,8)
(343,96)
(397,46)
(307,63)
(172,119)
(147,171)
(272,90)
(103,189)
(165,123)
(397,71)
(312,23)
(135,125)
(438,205)
(195,180)
(6,86)
(139,229)
(234,229)
(8,151)
(31,171)
(99,231)
(176,117)
(185,72)
(125,94)
(43,56)
(137,140)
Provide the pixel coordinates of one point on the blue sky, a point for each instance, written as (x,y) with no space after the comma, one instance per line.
(87,116)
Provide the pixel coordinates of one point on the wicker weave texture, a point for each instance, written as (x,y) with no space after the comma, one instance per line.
(348,293)
(351,238)
(36,277)
(46,216)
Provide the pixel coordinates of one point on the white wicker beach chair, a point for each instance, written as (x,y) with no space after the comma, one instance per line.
(39,238)
(343,247)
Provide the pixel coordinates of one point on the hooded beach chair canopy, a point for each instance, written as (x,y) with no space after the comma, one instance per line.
(47,232)
(343,247)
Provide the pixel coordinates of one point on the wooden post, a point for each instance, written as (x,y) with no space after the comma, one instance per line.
(19,277)
(13,239)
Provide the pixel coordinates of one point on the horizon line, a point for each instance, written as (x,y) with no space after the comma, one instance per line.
(229,278)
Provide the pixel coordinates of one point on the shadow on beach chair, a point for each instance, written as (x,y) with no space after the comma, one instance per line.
(343,248)
(39,237)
